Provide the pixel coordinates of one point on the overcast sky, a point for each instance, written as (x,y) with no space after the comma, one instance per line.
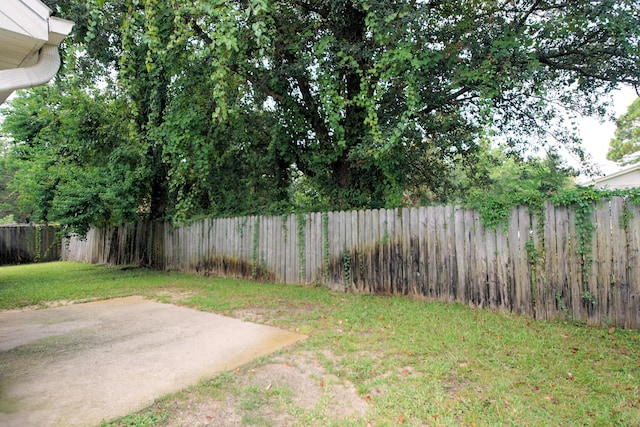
(596,135)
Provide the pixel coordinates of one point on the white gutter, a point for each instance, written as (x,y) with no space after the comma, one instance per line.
(28,34)
(40,73)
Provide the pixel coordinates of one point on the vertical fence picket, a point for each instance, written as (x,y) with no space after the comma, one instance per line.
(460,290)
(406,251)
(536,262)
(631,312)
(423,260)
(480,255)
(514,258)
(525,234)
(503,272)
(362,253)
(295,253)
(620,286)
(589,297)
(442,271)
(383,237)
(371,248)
(573,286)
(397,252)
(341,248)
(414,251)
(610,221)
(551,262)
(314,248)
(431,288)
(470,258)
(492,269)
(450,251)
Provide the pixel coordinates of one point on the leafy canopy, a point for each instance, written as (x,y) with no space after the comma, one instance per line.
(505,180)
(625,144)
(75,166)
(256,106)
(369,92)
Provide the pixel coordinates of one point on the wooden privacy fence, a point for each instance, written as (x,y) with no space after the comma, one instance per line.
(21,244)
(536,266)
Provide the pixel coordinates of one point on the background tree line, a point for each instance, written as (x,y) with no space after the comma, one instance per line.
(176,109)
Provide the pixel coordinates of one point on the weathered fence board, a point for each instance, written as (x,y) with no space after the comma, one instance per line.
(20,244)
(459,288)
(552,264)
(632,311)
(502,261)
(535,266)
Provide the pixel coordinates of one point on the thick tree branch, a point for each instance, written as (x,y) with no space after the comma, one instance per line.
(582,71)
(449,98)
(197,29)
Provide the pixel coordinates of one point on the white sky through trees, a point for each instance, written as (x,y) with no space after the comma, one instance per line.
(596,135)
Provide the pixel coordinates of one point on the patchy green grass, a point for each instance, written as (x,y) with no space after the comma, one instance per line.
(414,362)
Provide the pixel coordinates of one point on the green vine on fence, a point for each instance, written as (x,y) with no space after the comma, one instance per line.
(241,226)
(535,256)
(385,235)
(582,201)
(254,249)
(586,295)
(346,260)
(626,217)
(325,252)
(496,210)
(302,250)
(36,256)
(285,229)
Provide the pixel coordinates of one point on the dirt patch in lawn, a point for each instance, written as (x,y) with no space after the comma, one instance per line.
(174,295)
(287,390)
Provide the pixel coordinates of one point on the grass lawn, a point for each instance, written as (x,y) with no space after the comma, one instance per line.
(412,362)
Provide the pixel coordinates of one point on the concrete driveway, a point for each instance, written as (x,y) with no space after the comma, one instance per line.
(80,364)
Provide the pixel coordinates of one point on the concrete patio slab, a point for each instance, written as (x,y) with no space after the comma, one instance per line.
(80,364)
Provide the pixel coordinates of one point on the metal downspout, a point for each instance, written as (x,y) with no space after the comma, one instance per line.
(38,74)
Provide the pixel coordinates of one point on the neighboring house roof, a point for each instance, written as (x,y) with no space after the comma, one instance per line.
(625,178)
(29,39)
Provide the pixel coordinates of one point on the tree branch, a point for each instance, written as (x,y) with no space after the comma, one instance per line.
(197,29)
(429,108)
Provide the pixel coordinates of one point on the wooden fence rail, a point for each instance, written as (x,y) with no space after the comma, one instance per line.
(21,244)
(536,266)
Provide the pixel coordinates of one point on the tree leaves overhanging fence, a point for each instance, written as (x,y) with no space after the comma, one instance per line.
(539,265)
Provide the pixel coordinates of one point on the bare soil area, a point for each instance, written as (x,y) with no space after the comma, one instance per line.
(286,390)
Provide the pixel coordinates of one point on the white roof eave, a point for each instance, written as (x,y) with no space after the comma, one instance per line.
(58,30)
(30,41)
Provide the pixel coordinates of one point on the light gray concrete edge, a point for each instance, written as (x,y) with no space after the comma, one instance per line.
(80,364)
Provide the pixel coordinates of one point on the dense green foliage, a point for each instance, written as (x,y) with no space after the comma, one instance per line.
(75,164)
(624,146)
(255,106)
(8,197)
(505,181)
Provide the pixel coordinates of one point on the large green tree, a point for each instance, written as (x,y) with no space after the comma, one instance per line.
(76,166)
(230,106)
(8,196)
(371,91)
(625,144)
